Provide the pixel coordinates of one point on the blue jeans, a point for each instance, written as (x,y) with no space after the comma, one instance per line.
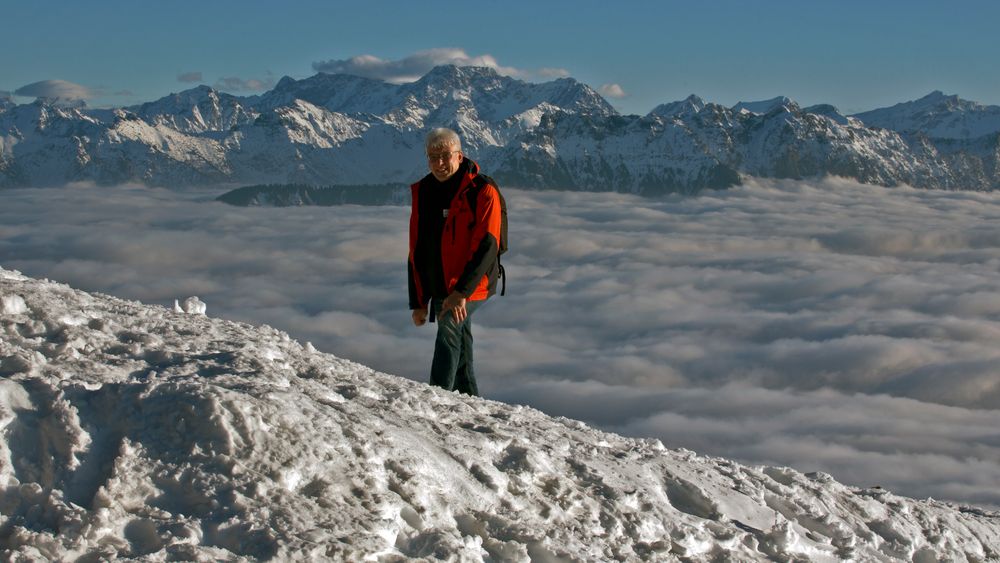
(452,364)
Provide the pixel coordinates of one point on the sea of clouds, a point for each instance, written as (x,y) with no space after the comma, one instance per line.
(827,325)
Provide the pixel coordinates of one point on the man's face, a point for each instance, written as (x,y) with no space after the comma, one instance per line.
(444,161)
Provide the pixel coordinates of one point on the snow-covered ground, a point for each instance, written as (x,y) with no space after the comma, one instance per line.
(141,431)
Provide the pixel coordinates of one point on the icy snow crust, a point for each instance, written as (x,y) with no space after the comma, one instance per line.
(136,431)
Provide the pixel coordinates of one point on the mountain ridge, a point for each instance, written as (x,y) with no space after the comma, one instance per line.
(344,129)
(937,116)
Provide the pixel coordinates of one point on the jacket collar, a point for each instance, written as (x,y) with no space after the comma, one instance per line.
(469,170)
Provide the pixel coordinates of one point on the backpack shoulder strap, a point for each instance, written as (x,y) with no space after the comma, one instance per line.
(479,182)
(482,179)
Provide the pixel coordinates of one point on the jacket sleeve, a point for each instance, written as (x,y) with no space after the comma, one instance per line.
(487,231)
(418,299)
(412,283)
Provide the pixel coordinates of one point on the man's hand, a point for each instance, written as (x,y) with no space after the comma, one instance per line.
(419,316)
(456,304)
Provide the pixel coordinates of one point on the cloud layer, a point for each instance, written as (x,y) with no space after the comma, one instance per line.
(827,326)
(412,67)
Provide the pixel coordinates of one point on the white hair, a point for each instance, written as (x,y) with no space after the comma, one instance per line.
(442,137)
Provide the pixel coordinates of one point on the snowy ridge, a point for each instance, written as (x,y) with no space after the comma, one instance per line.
(686,107)
(198,110)
(938,116)
(688,146)
(343,129)
(137,431)
(763,106)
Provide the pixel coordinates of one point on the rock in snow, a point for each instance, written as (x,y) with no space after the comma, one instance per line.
(134,431)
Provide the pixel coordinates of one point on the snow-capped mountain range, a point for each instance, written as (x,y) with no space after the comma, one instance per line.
(937,116)
(155,434)
(341,129)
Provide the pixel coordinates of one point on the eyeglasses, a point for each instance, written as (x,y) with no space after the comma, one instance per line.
(441,155)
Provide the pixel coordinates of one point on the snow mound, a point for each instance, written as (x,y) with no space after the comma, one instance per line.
(135,431)
(192,306)
(12,305)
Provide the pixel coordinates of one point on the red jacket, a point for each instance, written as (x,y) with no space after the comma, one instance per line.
(469,242)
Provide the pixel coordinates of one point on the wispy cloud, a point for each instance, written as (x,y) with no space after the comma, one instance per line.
(55,89)
(189,77)
(827,326)
(236,84)
(412,67)
(552,72)
(612,91)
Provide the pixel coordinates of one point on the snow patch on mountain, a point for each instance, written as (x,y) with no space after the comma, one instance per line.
(136,431)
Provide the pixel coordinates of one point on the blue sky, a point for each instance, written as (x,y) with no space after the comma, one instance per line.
(855,55)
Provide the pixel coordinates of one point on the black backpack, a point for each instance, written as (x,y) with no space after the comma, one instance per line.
(478,182)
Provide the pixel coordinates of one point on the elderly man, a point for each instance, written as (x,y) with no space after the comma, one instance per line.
(453,267)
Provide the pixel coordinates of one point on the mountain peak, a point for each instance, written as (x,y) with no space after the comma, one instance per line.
(185,98)
(196,110)
(497,96)
(285,82)
(451,74)
(937,115)
(688,106)
(828,110)
(61,103)
(763,106)
(315,89)
(456,70)
(695,100)
(936,96)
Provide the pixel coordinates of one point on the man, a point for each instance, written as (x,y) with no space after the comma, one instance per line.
(453,266)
